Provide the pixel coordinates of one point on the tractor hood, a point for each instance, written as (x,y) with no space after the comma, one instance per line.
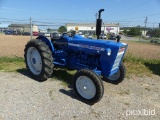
(78,42)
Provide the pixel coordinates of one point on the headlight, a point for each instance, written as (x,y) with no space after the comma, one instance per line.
(109,52)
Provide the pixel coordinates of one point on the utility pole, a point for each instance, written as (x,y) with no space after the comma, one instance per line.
(104,28)
(118,28)
(96,15)
(31,29)
(145,22)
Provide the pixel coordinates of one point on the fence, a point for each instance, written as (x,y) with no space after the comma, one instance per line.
(14,34)
(129,30)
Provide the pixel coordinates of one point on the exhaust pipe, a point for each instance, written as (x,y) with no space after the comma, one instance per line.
(118,38)
(99,24)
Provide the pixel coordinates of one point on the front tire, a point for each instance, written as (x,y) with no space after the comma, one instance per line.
(38,59)
(88,86)
(119,76)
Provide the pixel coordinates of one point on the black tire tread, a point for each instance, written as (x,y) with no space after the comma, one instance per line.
(46,56)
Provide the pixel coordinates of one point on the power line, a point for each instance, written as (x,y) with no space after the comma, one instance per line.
(144,16)
(48,22)
(15,19)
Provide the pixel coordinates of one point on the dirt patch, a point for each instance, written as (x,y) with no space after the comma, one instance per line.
(144,50)
(14,46)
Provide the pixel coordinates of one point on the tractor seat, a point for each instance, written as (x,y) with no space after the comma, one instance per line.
(55,36)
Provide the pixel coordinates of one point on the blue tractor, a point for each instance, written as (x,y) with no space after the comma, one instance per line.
(92,58)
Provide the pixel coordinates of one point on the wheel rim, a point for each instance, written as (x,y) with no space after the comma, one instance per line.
(86,87)
(34,60)
(115,76)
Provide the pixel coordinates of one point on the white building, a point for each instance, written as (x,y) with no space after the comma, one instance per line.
(91,27)
(23,27)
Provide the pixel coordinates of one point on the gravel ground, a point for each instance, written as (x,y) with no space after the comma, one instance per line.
(23,98)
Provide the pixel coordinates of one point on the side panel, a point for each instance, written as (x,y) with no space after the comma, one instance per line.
(109,64)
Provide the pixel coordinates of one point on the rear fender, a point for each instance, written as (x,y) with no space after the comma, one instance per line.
(47,41)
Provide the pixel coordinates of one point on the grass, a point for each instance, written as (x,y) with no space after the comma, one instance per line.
(64,75)
(124,92)
(10,64)
(135,66)
(144,41)
(1,33)
(51,94)
(140,66)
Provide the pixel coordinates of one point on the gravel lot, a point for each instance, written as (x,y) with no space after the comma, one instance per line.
(23,98)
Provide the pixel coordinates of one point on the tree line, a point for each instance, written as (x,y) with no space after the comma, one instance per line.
(135,31)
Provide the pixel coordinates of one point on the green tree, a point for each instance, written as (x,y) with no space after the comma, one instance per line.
(49,30)
(134,31)
(62,29)
(125,31)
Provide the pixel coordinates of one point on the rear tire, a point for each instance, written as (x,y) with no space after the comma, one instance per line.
(38,59)
(88,86)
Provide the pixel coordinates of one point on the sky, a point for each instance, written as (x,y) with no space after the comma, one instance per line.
(59,12)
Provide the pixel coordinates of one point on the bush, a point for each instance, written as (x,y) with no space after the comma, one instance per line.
(151,41)
(155,41)
(134,32)
(154,33)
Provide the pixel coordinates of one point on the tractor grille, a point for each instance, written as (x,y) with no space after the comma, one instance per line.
(118,58)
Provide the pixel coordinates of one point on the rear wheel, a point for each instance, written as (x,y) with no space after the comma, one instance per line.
(38,59)
(118,76)
(88,86)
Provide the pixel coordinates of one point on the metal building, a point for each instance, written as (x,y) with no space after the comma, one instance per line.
(91,27)
(23,27)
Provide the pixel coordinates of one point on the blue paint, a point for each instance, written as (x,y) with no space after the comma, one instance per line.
(34,60)
(76,52)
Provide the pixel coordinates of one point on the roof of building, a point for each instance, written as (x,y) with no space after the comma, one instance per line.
(91,24)
(20,25)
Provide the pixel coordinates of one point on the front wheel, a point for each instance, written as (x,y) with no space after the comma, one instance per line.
(118,76)
(88,86)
